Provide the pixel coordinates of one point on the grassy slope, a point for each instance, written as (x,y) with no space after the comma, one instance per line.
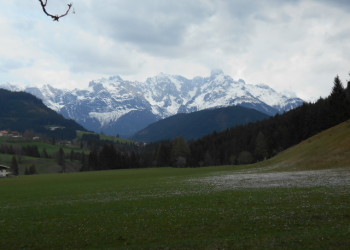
(50,148)
(328,149)
(42,165)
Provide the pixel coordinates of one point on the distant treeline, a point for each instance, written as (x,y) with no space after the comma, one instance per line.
(30,150)
(108,157)
(105,154)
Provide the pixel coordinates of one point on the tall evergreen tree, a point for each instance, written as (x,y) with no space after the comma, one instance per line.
(261,147)
(45,154)
(180,152)
(14,166)
(108,157)
(245,157)
(347,91)
(162,156)
(93,161)
(32,169)
(338,87)
(338,102)
(61,160)
(83,162)
(348,88)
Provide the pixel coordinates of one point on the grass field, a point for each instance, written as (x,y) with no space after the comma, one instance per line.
(288,202)
(50,148)
(42,165)
(173,208)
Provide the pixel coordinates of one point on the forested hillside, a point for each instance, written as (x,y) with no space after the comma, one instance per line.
(261,140)
(257,141)
(198,124)
(22,112)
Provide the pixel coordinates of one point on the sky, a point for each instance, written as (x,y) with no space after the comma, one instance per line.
(294,46)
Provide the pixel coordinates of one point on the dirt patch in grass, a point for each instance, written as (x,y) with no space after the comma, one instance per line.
(316,178)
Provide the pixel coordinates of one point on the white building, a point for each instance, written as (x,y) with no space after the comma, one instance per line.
(4,171)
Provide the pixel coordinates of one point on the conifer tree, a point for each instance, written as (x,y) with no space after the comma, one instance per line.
(61,160)
(84,166)
(245,157)
(338,102)
(45,154)
(261,147)
(347,92)
(162,155)
(32,169)
(179,153)
(93,161)
(14,166)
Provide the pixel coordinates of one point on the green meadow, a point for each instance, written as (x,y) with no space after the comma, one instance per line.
(170,208)
(43,165)
(288,202)
(49,147)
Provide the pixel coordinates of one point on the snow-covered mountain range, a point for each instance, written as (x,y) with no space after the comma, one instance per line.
(116,106)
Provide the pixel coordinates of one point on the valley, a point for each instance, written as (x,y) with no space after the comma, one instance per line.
(299,198)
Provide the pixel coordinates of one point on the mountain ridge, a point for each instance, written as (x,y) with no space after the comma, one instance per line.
(111,104)
(23,112)
(198,124)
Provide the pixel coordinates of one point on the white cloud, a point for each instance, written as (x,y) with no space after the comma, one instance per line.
(290,45)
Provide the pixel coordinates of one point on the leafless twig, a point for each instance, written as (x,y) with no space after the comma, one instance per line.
(54,17)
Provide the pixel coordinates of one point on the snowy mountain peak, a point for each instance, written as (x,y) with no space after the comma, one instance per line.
(115,78)
(241,81)
(117,106)
(12,86)
(216,72)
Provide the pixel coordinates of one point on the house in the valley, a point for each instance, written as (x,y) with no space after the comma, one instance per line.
(4,171)
(4,133)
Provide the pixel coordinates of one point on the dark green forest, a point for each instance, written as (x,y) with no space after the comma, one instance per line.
(198,124)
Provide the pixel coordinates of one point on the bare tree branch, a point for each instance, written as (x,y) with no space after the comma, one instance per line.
(54,17)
